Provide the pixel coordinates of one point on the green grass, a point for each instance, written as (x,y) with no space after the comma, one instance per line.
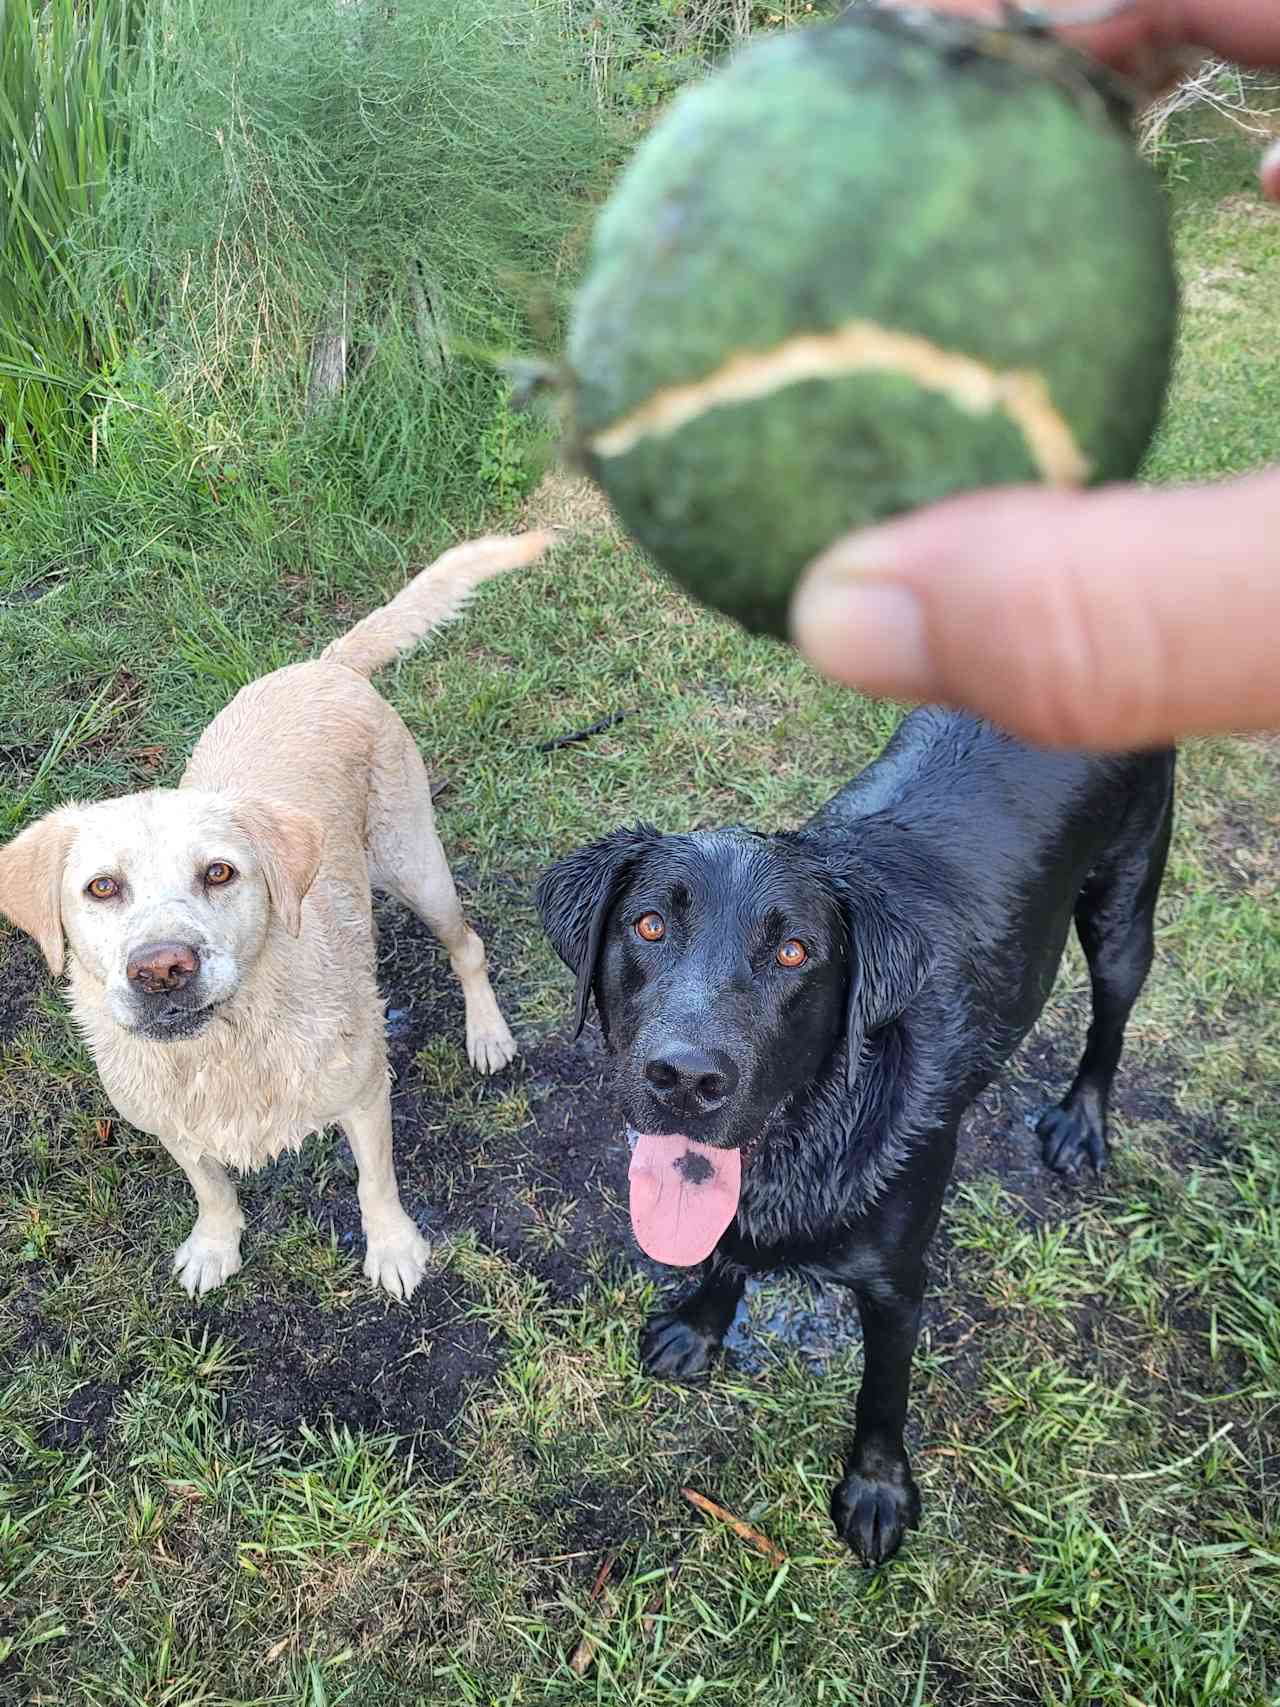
(201,195)
(66,75)
(638,53)
(1096,1397)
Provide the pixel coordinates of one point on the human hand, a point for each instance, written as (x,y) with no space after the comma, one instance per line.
(1120,617)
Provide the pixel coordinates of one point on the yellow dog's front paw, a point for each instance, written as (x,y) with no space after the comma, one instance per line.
(397,1258)
(203,1261)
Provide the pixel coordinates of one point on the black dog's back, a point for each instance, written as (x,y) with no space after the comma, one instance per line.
(1012,834)
(993,803)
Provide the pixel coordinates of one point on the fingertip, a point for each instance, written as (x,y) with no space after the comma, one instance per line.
(868,634)
(1269,173)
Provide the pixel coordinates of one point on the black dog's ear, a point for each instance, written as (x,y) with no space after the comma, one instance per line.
(889,961)
(573,900)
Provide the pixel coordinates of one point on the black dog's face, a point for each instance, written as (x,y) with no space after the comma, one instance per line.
(720,966)
(721,981)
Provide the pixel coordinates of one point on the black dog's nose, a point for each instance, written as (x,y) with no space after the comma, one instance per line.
(683,1074)
(162,966)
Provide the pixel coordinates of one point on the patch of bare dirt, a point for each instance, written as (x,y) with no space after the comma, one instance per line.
(83,1417)
(1245,846)
(375,1367)
(21,970)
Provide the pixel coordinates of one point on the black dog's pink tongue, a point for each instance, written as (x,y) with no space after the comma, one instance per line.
(683,1196)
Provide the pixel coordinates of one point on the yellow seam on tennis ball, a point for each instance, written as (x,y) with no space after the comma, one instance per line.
(860,346)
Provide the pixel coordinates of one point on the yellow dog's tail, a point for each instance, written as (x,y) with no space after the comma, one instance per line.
(431,599)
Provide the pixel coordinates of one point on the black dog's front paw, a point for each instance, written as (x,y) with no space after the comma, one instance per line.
(1069,1136)
(873,1512)
(673,1347)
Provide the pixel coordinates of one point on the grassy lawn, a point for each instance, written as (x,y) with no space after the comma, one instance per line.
(298,1492)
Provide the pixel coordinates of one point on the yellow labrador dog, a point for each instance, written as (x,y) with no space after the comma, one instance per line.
(221,933)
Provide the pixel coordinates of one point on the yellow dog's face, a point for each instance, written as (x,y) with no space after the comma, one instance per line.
(165,898)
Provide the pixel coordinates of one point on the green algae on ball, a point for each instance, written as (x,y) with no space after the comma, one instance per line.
(870,264)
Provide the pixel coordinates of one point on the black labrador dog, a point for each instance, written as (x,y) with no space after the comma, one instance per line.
(800,1020)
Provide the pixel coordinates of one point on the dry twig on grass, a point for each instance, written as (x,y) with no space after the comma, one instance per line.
(743,1531)
(583,1656)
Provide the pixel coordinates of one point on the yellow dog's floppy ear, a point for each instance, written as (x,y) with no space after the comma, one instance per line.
(31,868)
(288,842)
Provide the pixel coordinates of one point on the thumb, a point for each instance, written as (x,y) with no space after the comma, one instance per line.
(1122,617)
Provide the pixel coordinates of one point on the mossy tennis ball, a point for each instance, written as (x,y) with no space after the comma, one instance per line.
(868,265)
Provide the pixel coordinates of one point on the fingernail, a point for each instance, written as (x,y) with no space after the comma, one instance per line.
(1270,172)
(867,633)
(872,552)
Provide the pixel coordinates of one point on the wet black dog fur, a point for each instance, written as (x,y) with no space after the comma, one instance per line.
(933,896)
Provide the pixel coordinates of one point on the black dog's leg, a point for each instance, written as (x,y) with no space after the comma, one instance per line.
(1114,920)
(681,1343)
(877,1502)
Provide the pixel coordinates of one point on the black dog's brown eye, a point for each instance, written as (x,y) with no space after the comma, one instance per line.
(651,926)
(102,888)
(219,872)
(792,953)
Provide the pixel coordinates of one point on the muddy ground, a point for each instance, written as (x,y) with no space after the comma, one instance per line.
(551,1197)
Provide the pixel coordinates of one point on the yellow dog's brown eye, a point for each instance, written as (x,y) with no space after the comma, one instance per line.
(651,926)
(219,872)
(102,888)
(792,954)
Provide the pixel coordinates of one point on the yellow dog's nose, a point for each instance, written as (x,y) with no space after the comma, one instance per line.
(159,966)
